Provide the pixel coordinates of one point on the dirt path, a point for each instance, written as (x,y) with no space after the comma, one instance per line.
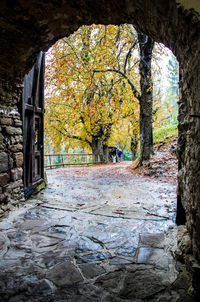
(94,234)
(163,165)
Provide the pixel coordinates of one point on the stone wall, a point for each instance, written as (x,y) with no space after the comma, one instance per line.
(189,158)
(11,159)
(189,150)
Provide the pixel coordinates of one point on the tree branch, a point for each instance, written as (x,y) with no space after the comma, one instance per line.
(73,136)
(129,55)
(65,41)
(134,90)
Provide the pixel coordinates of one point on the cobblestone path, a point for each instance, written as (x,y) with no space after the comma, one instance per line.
(94,234)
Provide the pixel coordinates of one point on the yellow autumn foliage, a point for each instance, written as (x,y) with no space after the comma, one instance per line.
(80,102)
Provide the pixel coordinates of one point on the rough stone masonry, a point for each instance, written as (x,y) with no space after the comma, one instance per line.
(30,26)
(11,160)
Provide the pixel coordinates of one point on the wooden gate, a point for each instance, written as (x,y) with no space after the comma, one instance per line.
(33,125)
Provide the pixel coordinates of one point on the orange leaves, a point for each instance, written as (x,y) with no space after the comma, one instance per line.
(81,103)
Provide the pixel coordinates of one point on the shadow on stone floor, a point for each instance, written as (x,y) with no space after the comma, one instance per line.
(90,237)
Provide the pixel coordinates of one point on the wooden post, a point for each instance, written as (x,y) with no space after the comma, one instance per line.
(50,160)
(62,160)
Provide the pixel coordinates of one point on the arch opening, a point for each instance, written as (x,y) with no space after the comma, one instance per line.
(61,93)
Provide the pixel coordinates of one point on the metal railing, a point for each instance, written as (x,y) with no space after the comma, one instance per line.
(68,159)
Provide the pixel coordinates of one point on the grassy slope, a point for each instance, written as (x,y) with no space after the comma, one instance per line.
(165,134)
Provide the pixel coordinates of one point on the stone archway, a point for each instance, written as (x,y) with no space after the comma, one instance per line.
(28,27)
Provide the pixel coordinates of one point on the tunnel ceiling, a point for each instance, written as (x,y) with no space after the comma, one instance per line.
(30,26)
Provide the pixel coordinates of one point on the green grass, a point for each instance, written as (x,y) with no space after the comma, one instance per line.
(164,134)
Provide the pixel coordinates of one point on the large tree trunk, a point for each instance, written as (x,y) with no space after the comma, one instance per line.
(146,101)
(134,145)
(99,150)
(95,151)
(105,154)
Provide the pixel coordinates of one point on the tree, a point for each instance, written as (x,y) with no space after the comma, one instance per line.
(172,89)
(146,45)
(81,105)
(166,86)
(145,97)
(101,96)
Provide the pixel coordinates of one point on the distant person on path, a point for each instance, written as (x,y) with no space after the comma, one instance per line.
(119,154)
(114,154)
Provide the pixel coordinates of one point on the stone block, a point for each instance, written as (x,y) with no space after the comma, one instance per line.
(155,256)
(13,131)
(13,185)
(4,178)
(18,123)
(153,240)
(12,140)
(16,174)
(119,261)
(126,250)
(10,160)
(139,286)
(6,121)
(18,159)
(1,138)
(19,139)
(16,148)
(64,274)
(4,166)
(42,287)
(91,270)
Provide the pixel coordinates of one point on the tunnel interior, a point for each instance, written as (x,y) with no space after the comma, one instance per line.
(29,27)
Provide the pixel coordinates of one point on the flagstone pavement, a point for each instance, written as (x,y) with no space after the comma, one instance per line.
(93,234)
